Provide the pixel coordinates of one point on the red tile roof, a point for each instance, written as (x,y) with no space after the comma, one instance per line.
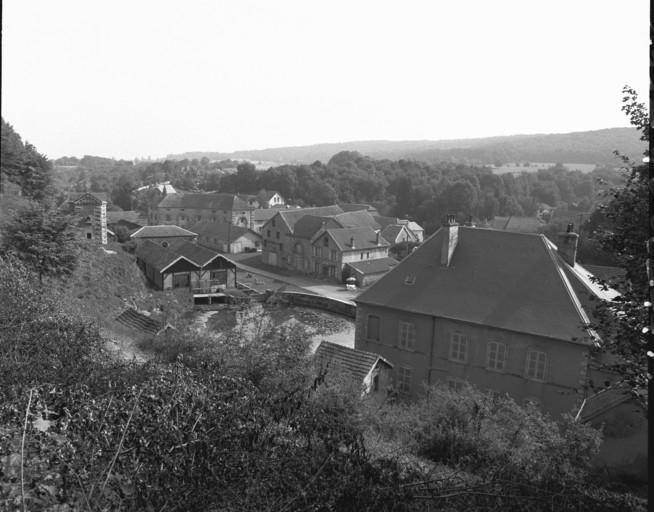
(500,279)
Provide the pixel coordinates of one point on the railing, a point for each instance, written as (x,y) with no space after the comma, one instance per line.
(206,287)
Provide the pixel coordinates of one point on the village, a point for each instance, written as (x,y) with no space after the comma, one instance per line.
(496,306)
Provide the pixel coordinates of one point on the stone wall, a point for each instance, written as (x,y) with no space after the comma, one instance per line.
(340,307)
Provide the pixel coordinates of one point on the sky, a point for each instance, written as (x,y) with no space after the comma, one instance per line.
(147,78)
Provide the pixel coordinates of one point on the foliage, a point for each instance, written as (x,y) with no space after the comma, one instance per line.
(24,165)
(501,456)
(43,237)
(621,321)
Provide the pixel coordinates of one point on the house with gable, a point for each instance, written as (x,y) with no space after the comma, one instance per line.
(415,228)
(370,371)
(277,234)
(224,237)
(506,312)
(332,249)
(183,264)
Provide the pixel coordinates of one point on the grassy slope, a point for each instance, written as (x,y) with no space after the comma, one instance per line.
(105,283)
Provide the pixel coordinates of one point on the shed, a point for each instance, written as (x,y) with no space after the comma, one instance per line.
(370,370)
(367,272)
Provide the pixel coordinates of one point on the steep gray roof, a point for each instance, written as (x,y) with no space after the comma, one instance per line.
(201,256)
(158,256)
(356,363)
(292,216)
(309,225)
(364,238)
(500,279)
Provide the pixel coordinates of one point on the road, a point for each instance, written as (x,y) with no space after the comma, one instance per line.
(251,262)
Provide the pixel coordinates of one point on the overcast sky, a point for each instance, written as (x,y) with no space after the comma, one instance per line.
(141,78)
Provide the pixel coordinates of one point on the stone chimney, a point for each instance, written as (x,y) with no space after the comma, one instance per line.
(352,242)
(450,238)
(567,246)
(378,237)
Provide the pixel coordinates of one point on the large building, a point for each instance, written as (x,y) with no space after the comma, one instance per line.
(321,241)
(506,312)
(186,210)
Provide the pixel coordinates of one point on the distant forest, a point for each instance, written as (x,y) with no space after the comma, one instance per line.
(592,147)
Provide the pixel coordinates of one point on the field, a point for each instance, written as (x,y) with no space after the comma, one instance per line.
(516,168)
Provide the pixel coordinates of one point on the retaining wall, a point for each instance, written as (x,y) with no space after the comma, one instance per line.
(340,307)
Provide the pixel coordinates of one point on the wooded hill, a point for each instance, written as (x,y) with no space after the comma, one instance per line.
(591,147)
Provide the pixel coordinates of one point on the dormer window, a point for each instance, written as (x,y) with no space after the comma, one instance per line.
(410,279)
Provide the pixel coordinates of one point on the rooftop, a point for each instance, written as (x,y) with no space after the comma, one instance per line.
(193,252)
(222,202)
(356,363)
(160,231)
(375,265)
(364,238)
(500,279)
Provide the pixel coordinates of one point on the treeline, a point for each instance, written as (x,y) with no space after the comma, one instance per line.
(22,167)
(405,188)
(591,147)
(425,192)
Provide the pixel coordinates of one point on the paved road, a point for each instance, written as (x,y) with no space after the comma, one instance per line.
(318,286)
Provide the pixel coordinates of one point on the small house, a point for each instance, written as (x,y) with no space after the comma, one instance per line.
(369,370)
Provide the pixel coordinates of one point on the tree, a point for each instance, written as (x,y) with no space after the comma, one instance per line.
(43,237)
(621,322)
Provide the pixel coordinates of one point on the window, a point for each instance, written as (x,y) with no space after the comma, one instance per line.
(277,235)
(199,218)
(325,241)
(332,271)
(404,379)
(536,365)
(367,255)
(334,255)
(89,236)
(458,348)
(407,336)
(455,384)
(164,244)
(273,223)
(316,268)
(316,251)
(374,327)
(268,233)
(265,243)
(410,279)
(361,256)
(496,356)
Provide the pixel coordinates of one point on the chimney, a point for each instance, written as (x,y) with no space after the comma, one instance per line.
(470,223)
(567,247)
(450,238)
(378,237)
(352,242)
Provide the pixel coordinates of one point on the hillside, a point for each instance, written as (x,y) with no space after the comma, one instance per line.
(591,147)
